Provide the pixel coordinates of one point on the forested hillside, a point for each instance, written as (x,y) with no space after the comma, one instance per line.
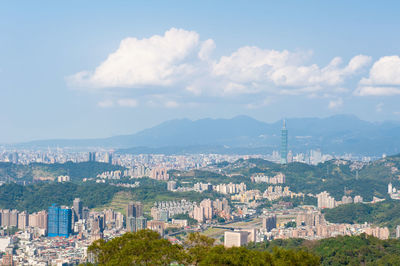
(384,213)
(77,171)
(342,250)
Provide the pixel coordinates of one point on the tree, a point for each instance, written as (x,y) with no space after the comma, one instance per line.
(141,248)
(198,246)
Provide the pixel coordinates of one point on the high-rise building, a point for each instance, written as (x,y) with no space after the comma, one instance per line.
(77,204)
(5,218)
(23,220)
(53,220)
(198,214)
(64,222)
(138,209)
(269,222)
(59,221)
(284,143)
(108,158)
(131,224)
(14,218)
(159,174)
(130,209)
(206,204)
(134,209)
(141,223)
(85,213)
(325,200)
(92,156)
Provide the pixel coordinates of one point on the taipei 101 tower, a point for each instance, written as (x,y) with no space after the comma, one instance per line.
(284,143)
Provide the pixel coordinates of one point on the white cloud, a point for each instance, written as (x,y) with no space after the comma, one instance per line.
(377,91)
(180,66)
(333,104)
(383,80)
(158,60)
(206,49)
(385,71)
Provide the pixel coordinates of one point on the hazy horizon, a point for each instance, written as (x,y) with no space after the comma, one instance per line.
(194,120)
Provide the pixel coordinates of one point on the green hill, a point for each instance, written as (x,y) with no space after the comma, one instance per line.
(342,250)
(384,213)
(77,171)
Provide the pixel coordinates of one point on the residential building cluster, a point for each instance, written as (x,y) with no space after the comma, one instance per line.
(325,200)
(230,188)
(276,192)
(262,178)
(208,208)
(164,210)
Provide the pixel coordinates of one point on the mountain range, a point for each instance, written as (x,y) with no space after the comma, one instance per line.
(244,135)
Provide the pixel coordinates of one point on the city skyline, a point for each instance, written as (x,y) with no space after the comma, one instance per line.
(88,77)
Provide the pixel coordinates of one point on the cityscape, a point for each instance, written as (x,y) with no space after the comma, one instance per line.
(199,133)
(234,213)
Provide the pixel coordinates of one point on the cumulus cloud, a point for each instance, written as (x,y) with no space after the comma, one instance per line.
(206,49)
(179,64)
(282,68)
(158,60)
(385,71)
(383,80)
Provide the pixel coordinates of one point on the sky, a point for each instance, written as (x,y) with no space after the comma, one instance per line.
(89,69)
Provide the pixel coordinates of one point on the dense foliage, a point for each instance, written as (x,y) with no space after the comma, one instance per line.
(342,250)
(385,213)
(40,196)
(147,248)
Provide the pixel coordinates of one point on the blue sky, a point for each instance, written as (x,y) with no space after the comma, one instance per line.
(83,69)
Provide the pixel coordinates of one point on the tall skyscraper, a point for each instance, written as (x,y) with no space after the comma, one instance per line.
(130,209)
(134,209)
(64,222)
(53,220)
(77,204)
(269,222)
(284,143)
